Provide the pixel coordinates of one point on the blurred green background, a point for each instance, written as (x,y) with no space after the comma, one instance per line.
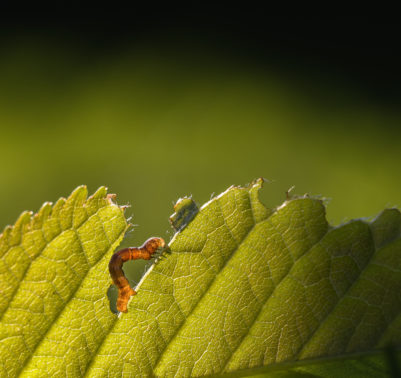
(159,116)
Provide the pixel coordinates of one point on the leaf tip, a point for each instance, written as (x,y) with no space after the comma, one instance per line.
(79,192)
(12,234)
(101,192)
(259,181)
(43,212)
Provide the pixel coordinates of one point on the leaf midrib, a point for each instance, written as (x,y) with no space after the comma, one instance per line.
(289,365)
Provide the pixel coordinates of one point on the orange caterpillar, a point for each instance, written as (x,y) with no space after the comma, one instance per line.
(145,252)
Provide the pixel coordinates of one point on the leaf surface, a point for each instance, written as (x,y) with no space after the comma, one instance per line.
(54,278)
(246,287)
(246,290)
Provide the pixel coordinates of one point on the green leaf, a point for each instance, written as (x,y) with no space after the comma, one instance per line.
(246,290)
(247,287)
(53,282)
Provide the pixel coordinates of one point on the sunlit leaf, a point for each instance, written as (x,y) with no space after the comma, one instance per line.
(54,279)
(245,290)
(246,287)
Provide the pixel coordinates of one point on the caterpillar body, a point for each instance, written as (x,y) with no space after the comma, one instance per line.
(145,252)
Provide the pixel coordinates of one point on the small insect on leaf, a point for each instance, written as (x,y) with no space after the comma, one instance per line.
(145,252)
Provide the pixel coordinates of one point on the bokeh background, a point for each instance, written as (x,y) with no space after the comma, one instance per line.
(163,106)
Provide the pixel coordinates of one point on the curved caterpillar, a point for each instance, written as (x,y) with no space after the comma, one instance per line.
(145,252)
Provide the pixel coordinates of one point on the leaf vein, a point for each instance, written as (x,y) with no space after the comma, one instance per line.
(72,296)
